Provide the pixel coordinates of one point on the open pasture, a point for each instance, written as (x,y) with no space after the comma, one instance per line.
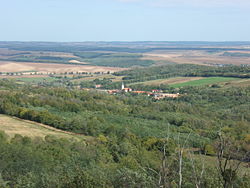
(11,126)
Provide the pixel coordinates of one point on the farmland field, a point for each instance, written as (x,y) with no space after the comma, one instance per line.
(199,57)
(105,76)
(10,66)
(169,81)
(81,57)
(35,79)
(204,81)
(177,82)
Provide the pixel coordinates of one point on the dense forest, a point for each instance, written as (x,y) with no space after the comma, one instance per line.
(200,139)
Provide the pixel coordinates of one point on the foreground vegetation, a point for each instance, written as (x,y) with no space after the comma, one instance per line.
(127,161)
(136,141)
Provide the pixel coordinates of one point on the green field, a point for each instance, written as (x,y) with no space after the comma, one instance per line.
(36,79)
(204,81)
(177,82)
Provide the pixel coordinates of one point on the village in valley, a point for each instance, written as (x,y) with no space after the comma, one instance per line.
(155,93)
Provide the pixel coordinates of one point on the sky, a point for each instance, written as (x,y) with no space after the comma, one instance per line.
(124,20)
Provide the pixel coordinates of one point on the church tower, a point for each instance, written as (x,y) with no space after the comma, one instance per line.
(122,85)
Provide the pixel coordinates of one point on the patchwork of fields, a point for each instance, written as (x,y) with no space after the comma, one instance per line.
(178,82)
(114,57)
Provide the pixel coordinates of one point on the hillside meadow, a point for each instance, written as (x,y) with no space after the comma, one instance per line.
(14,126)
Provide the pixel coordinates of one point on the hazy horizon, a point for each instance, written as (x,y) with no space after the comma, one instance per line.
(128,41)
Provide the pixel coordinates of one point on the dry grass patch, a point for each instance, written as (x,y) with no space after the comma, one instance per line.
(10,66)
(12,126)
(239,83)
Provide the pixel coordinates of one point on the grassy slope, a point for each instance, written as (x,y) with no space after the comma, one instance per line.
(204,81)
(190,81)
(12,126)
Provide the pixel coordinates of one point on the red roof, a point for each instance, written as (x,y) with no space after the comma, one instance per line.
(140,92)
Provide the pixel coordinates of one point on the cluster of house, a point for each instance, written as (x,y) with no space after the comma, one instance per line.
(156,94)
